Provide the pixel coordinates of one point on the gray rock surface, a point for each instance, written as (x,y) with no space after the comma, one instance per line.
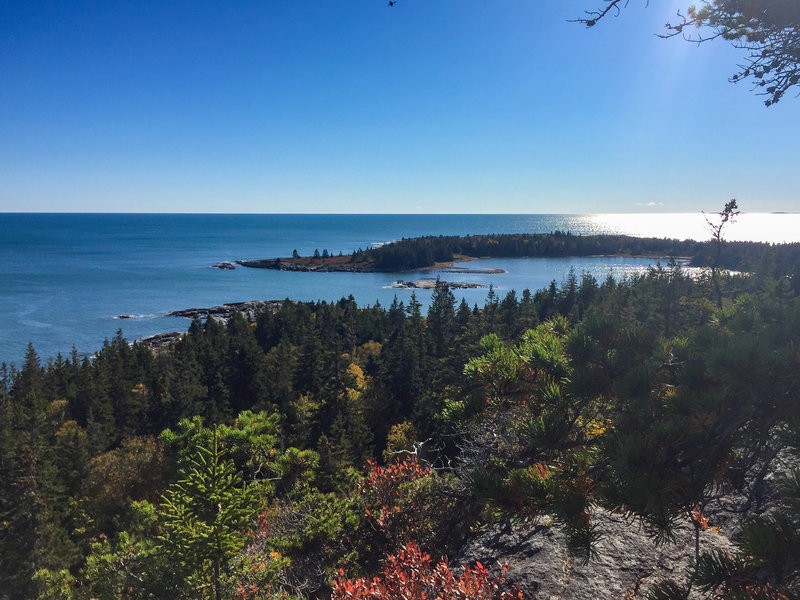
(162,340)
(627,565)
(250,309)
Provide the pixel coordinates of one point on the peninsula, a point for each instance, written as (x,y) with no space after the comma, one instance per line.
(441,252)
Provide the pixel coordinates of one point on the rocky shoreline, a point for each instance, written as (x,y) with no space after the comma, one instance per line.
(336,265)
(160,341)
(277,264)
(249,309)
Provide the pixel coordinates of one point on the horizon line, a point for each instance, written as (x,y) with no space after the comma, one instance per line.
(488,214)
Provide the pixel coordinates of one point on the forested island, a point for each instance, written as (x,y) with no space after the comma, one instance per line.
(441,251)
(605,439)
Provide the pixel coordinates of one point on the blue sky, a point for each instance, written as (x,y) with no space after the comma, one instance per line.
(352,106)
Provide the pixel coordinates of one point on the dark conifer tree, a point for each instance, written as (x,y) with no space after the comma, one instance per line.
(463,314)
(441,325)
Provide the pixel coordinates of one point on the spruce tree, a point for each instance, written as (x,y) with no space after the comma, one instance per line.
(205,515)
(441,320)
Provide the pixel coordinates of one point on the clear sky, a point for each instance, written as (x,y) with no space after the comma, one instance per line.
(354,106)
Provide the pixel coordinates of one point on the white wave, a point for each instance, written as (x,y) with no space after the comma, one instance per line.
(143,316)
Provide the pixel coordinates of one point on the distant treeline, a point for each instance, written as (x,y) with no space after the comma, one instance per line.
(414,253)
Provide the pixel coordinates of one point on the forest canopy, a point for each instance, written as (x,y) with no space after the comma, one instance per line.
(327,448)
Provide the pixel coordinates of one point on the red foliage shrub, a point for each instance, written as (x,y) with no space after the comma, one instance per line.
(409,574)
(384,497)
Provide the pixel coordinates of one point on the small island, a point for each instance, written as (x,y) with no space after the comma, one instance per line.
(225,266)
(429,284)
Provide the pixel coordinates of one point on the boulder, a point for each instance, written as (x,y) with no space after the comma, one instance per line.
(627,565)
(224,265)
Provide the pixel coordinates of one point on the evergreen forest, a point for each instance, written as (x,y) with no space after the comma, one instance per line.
(329,450)
(408,254)
(413,253)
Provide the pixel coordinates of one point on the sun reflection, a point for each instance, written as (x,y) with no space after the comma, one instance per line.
(759,227)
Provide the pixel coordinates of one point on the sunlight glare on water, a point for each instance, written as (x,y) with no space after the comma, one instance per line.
(756,227)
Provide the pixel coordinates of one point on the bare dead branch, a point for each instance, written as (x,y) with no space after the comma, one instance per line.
(769,32)
(595,15)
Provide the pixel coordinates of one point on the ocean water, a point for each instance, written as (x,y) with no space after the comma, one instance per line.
(65,277)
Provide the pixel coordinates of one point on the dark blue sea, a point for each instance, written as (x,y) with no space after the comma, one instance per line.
(65,277)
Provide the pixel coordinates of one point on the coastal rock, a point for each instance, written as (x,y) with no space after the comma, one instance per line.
(628,563)
(429,284)
(250,309)
(224,265)
(162,340)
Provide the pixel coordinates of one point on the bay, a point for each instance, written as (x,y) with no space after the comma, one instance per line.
(65,277)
